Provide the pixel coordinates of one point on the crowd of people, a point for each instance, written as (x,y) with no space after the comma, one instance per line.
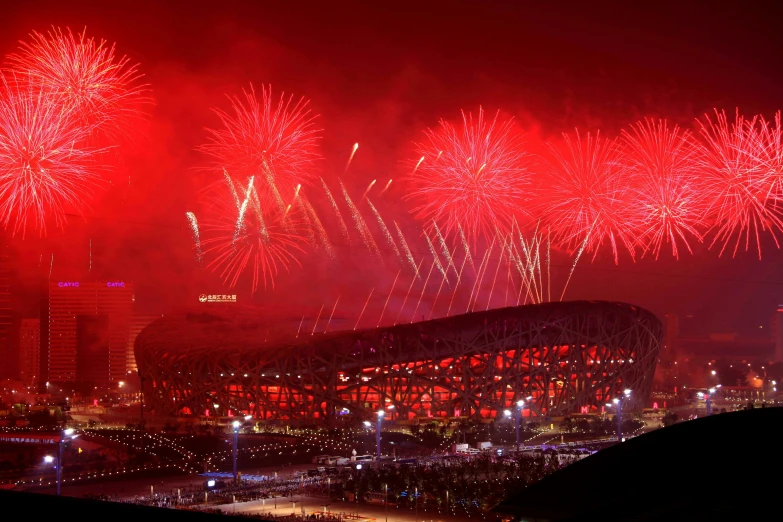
(453,484)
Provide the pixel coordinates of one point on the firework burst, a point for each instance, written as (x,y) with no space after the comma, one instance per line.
(260,246)
(475,174)
(88,78)
(586,195)
(274,141)
(737,184)
(661,164)
(45,166)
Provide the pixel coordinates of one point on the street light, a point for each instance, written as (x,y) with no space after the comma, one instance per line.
(58,460)
(236,424)
(619,403)
(378,434)
(518,412)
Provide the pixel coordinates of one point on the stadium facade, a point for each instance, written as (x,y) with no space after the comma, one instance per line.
(570,357)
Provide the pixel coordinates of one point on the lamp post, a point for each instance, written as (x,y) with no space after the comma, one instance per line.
(386,500)
(236,425)
(508,414)
(518,412)
(378,434)
(709,401)
(619,403)
(58,460)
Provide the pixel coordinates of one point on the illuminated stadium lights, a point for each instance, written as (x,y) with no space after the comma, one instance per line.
(566,357)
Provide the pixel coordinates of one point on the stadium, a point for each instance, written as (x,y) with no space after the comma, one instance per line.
(567,357)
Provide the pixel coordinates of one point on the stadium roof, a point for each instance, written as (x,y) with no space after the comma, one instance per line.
(715,468)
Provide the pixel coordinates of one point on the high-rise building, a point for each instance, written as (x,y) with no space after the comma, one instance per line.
(30,351)
(86,339)
(138,323)
(671,330)
(7,355)
(777,332)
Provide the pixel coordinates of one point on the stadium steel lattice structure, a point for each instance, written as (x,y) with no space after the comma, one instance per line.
(570,357)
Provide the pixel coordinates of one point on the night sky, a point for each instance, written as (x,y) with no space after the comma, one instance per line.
(379,76)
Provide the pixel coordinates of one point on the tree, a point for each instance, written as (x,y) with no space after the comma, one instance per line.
(669,419)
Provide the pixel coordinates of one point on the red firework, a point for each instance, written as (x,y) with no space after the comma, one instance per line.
(45,166)
(100,88)
(766,150)
(275,142)
(586,200)
(739,178)
(661,167)
(474,175)
(242,236)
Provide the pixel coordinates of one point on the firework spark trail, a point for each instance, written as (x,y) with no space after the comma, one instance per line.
(435,256)
(531,252)
(350,158)
(548,266)
(482,274)
(434,302)
(385,230)
(196,236)
(369,187)
(243,209)
(300,327)
(270,181)
(407,250)
(361,226)
(232,189)
(444,248)
(336,209)
(383,311)
(423,289)
(508,281)
(51,266)
(473,290)
(319,228)
(363,309)
(480,177)
(386,187)
(318,318)
(466,248)
(332,314)
(513,254)
(413,280)
(90,269)
(576,260)
(530,264)
(497,271)
(456,286)
(417,165)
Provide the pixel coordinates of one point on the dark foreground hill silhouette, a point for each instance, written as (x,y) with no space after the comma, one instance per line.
(724,467)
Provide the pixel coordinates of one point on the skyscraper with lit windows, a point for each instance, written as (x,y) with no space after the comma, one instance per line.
(86,335)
